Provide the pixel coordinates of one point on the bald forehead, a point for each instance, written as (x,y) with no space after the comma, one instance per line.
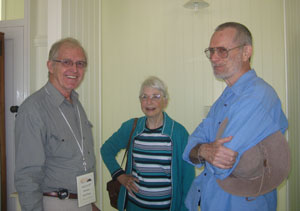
(223,38)
(68,45)
(65,47)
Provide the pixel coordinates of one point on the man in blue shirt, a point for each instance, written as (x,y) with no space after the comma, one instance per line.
(254,112)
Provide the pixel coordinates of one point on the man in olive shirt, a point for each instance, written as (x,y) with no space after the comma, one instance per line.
(54,142)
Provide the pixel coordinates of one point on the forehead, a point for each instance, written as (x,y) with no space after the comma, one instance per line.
(150,90)
(223,38)
(70,51)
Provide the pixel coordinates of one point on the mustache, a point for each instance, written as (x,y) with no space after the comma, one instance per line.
(217,64)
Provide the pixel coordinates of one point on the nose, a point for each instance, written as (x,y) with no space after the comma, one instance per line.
(149,100)
(74,67)
(213,55)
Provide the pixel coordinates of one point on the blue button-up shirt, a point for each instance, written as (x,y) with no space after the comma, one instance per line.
(254,112)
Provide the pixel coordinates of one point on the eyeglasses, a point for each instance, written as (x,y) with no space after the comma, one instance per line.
(70,63)
(221,51)
(154,97)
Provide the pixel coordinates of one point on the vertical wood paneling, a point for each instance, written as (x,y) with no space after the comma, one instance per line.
(12,9)
(81,20)
(293,64)
(39,48)
(163,38)
(3,187)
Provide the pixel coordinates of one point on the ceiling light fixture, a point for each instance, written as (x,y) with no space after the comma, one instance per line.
(195,4)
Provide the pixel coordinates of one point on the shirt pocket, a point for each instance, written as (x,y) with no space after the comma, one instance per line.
(60,147)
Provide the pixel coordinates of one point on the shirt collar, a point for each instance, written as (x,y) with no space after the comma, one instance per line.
(56,97)
(242,82)
(168,125)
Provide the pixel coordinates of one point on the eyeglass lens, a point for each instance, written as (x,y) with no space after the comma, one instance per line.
(70,63)
(221,51)
(154,97)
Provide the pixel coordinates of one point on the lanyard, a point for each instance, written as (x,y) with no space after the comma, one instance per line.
(79,146)
(81,133)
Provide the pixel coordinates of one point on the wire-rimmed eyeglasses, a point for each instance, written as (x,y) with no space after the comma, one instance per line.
(70,63)
(154,97)
(222,52)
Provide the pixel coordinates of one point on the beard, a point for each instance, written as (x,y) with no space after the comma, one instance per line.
(226,75)
(228,72)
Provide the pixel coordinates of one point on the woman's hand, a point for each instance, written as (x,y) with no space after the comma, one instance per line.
(128,181)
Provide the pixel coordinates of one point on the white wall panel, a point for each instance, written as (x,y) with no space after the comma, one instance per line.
(39,44)
(81,19)
(293,64)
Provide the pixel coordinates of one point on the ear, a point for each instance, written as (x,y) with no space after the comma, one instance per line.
(50,66)
(166,101)
(247,52)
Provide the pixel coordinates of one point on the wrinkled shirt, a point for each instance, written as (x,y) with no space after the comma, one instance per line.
(254,112)
(47,155)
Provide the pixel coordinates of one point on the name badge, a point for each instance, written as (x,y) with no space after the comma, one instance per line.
(86,189)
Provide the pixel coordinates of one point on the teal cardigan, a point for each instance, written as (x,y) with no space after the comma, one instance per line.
(182,173)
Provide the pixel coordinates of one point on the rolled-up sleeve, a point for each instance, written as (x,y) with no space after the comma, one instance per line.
(199,136)
(249,123)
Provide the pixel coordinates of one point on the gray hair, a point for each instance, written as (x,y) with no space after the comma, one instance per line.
(53,53)
(243,35)
(156,83)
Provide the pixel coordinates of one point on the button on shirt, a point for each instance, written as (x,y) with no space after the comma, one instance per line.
(254,112)
(47,154)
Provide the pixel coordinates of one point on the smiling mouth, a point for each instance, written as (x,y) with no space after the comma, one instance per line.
(71,77)
(150,109)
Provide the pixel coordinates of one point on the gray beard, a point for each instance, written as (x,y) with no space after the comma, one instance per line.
(225,76)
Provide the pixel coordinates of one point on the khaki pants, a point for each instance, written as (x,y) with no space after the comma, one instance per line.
(56,204)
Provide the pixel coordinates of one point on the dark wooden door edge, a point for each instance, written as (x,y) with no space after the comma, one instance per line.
(2,127)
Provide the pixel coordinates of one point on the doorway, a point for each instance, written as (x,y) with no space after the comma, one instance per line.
(17,57)
(15,93)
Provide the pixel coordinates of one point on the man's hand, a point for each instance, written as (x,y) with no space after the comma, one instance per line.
(218,155)
(128,181)
(194,157)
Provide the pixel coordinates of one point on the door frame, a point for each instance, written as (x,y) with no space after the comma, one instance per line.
(2,126)
(25,23)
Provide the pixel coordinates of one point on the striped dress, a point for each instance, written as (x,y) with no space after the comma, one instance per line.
(152,156)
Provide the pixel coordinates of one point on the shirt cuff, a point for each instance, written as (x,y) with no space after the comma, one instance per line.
(117,173)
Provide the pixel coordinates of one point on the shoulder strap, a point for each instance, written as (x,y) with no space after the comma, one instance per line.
(133,128)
